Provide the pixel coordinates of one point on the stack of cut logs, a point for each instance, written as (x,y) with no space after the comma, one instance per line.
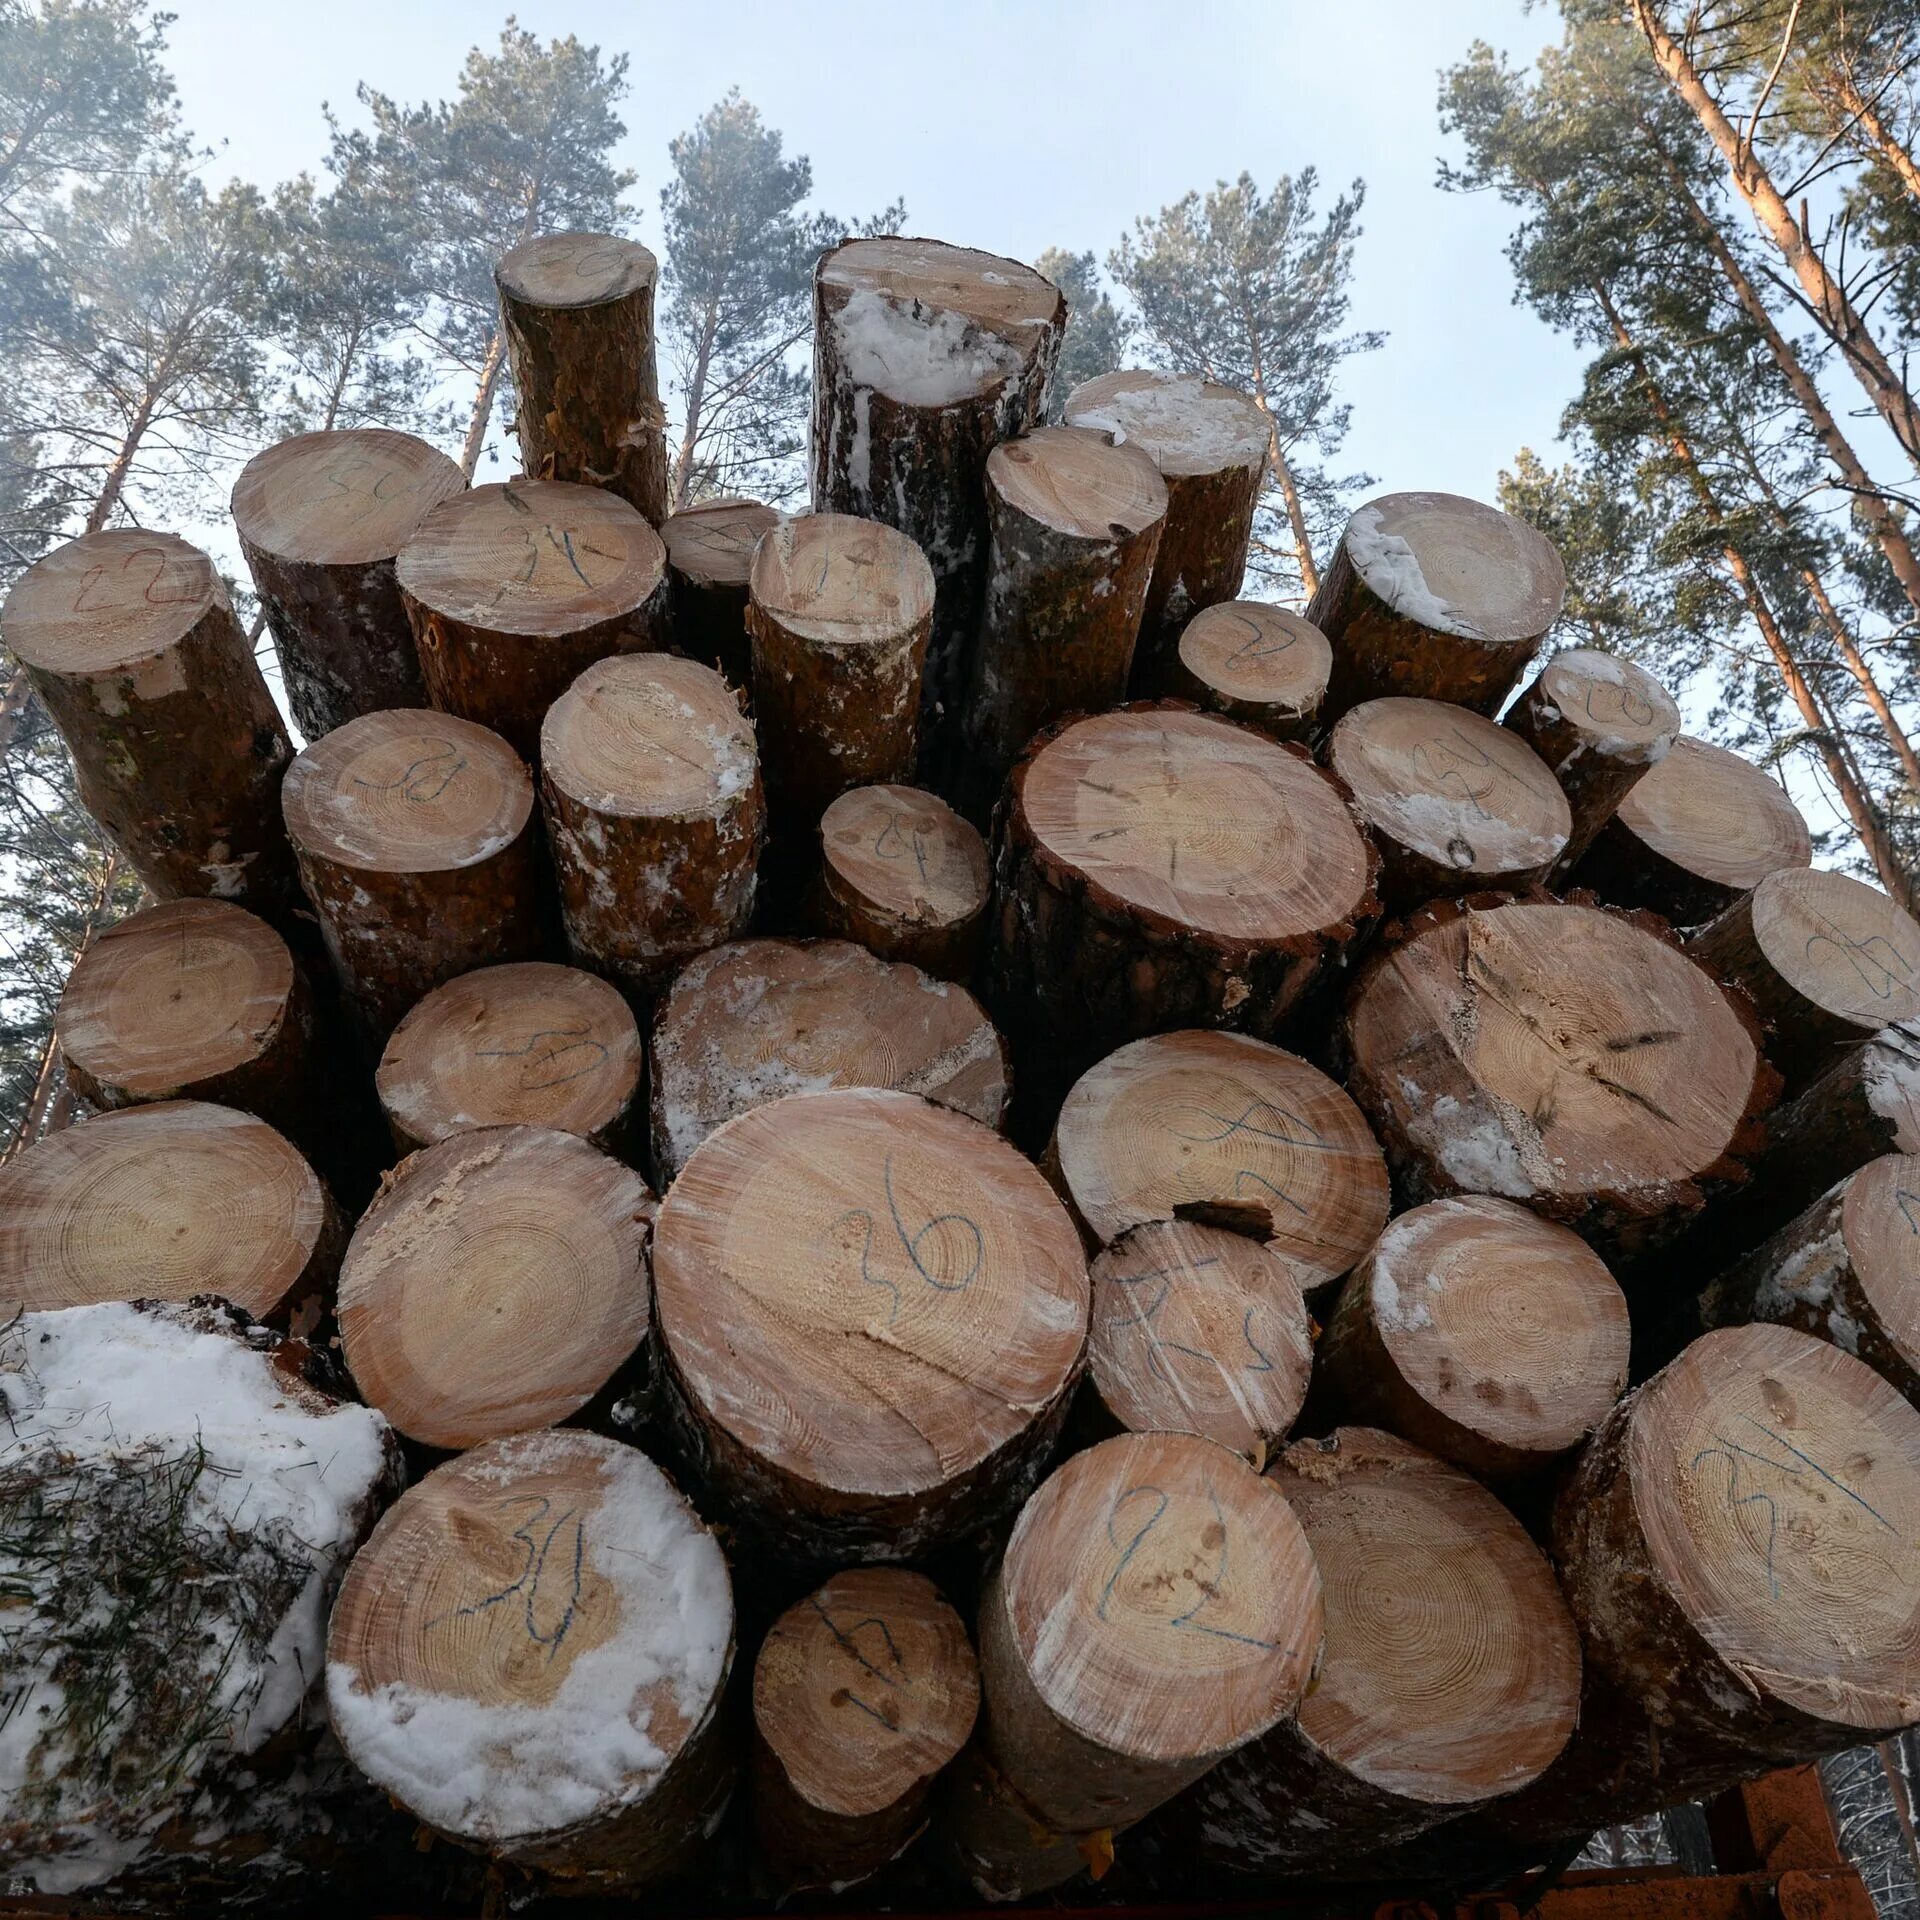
(997,1197)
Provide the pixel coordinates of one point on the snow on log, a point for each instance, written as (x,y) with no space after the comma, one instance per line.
(1255,663)
(709,555)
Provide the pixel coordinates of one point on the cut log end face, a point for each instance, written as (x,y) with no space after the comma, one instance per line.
(1201,824)
(497,1283)
(869,1292)
(1880,1229)
(1257,655)
(1186,425)
(530,1639)
(159,1202)
(1611,705)
(1840,945)
(346,497)
(110,601)
(1776,1481)
(1199,1118)
(575,269)
(174,996)
(840,581)
(530,1044)
(907,854)
(865,1689)
(407,792)
(1716,816)
(1079,483)
(1199,1330)
(1163,1598)
(711,544)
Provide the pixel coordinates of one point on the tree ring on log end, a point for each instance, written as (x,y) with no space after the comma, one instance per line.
(1839,944)
(1716,816)
(1880,1227)
(1083,484)
(837,580)
(906,853)
(1186,425)
(575,269)
(1257,656)
(1610,705)
(345,497)
(108,601)
(711,543)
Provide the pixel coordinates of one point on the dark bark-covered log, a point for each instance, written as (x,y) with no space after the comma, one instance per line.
(1436,597)
(650,784)
(1255,663)
(1455,803)
(514,591)
(1073,523)
(905,876)
(862,1694)
(320,519)
(530,1656)
(415,836)
(925,358)
(1702,827)
(1210,443)
(577,309)
(758,1019)
(129,640)
(874,1312)
(1599,724)
(709,556)
(1478,1331)
(528,1044)
(166,1202)
(1157,868)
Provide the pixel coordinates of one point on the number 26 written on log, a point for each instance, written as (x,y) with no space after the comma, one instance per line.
(943,1253)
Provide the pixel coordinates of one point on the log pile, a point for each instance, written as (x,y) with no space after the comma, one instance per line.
(944,1357)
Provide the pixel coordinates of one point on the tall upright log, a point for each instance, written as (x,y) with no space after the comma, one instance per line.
(130,642)
(415,837)
(709,555)
(1210,444)
(1255,663)
(321,518)
(1436,597)
(577,310)
(514,591)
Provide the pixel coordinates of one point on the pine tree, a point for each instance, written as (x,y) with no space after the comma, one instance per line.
(1099,333)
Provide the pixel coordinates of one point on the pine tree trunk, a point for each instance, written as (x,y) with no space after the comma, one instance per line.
(1881,139)
(476,437)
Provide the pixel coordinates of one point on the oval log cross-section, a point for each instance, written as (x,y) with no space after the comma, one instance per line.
(1256,663)
(709,555)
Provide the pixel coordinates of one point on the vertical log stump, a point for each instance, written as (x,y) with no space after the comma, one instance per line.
(1828,960)
(1562,1056)
(528,1044)
(1199,1330)
(129,640)
(1455,803)
(1254,663)
(874,1312)
(1210,443)
(1073,521)
(1156,868)
(1451,1674)
(1480,1332)
(925,358)
(514,591)
(1435,597)
(577,309)
(1702,827)
(321,518)
(862,1694)
(1203,1121)
(529,1655)
(1600,724)
(758,1019)
(709,555)
(415,836)
(838,613)
(650,784)
(162,1203)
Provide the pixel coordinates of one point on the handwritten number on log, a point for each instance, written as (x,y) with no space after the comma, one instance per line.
(547,1579)
(544,1069)
(426,778)
(849,1641)
(1211,1588)
(911,1243)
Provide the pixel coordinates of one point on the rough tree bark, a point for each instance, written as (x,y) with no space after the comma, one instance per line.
(709,555)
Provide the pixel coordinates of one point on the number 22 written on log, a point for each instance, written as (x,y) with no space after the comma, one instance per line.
(950,1234)
(1141,1509)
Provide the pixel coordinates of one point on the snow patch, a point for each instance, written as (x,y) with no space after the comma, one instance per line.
(918,356)
(1391,570)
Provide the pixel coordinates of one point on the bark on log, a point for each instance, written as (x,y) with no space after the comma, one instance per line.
(1436,597)
(905,876)
(1157,868)
(1254,663)
(758,1019)
(130,642)
(874,1312)
(321,518)
(530,1654)
(650,784)
(1199,1330)
(1210,444)
(1192,1121)
(1600,724)
(1455,803)
(164,1203)
(416,842)
(514,591)
(577,309)
(926,357)
(709,555)
(523,1045)
(1480,1332)
(1828,960)
(1701,828)
(1073,523)
(862,1694)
